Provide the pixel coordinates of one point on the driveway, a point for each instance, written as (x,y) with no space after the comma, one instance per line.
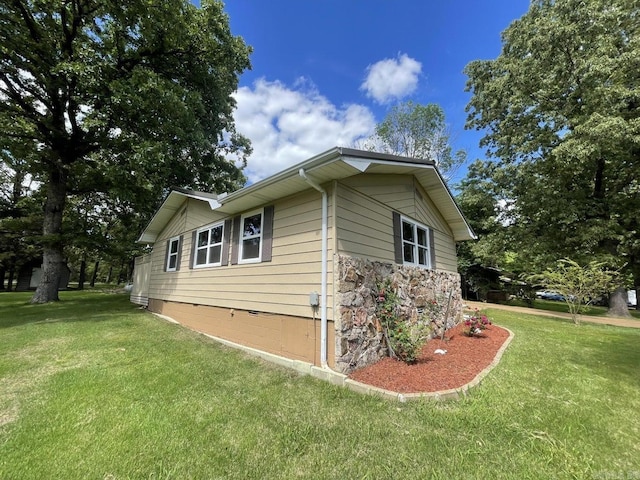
(618,322)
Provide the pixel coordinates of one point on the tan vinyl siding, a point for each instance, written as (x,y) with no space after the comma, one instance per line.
(396,191)
(364,227)
(364,218)
(175,227)
(280,286)
(427,213)
(199,214)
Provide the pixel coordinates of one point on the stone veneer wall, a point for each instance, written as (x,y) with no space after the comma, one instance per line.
(359,338)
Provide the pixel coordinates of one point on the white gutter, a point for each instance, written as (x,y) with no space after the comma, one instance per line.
(324,248)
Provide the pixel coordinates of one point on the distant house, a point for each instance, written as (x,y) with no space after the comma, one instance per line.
(30,274)
(290,264)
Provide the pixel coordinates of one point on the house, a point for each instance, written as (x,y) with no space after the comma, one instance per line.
(30,274)
(290,265)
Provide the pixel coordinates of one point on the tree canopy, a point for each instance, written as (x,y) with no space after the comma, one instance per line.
(124,97)
(560,108)
(417,131)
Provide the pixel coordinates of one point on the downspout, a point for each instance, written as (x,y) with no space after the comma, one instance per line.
(324,248)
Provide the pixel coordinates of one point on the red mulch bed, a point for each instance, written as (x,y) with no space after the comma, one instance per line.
(466,357)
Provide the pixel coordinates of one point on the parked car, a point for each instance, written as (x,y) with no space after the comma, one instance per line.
(631,298)
(549,295)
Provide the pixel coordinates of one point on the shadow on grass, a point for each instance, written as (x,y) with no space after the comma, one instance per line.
(606,351)
(611,353)
(15,308)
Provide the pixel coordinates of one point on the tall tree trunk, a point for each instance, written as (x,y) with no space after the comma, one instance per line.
(83,273)
(108,280)
(2,275)
(95,274)
(618,306)
(122,273)
(53,255)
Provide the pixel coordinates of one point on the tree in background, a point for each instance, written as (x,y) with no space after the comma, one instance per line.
(417,131)
(124,97)
(579,285)
(20,216)
(482,261)
(99,230)
(561,110)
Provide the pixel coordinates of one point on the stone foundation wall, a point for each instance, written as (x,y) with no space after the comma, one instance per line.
(358,334)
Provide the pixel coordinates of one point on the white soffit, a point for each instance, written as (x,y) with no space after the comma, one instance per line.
(334,164)
(168,209)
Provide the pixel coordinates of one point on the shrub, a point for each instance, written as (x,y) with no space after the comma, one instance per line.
(578,284)
(475,324)
(405,337)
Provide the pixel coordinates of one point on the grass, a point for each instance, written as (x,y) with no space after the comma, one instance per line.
(93,387)
(556,306)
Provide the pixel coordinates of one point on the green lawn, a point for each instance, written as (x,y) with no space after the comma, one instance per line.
(556,306)
(94,388)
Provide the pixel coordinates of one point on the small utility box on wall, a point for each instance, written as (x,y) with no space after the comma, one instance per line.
(314,299)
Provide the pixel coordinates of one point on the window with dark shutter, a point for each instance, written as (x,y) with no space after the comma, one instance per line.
(225,242)
(252,237)
(267,236)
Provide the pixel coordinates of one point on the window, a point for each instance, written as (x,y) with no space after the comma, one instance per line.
(208,246)
(416,245)
(173,254)
(251,237)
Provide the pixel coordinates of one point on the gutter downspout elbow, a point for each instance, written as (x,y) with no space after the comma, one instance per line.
(323,295)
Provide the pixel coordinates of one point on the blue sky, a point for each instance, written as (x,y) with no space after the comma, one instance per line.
(325,72)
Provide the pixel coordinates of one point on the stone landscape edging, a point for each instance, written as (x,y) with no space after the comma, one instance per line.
(339,379)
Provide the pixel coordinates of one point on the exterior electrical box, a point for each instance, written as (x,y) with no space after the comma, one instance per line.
(314,299)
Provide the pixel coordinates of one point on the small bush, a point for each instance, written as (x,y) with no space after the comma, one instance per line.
(405,337)
(475,324)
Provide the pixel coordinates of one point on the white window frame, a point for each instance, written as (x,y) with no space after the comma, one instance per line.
(415,245)
(172,241)
(208,246)
(242,237)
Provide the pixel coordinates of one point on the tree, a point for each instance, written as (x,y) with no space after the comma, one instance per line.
(579,284)
(560,111)
(20,217)
(125,97)
(417,131)
(98,229)
(481,262)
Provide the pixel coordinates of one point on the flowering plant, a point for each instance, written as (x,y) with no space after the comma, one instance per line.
(405,338)
(475,324)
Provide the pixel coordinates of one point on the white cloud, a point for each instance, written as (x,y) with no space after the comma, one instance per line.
(289,125)
(392,78)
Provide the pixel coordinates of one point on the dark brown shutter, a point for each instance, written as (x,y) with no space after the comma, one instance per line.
(397,238)
(179,252)
(267,234)
(193,248)
(166,256)
(235,240)
(432,248)
(224,260)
